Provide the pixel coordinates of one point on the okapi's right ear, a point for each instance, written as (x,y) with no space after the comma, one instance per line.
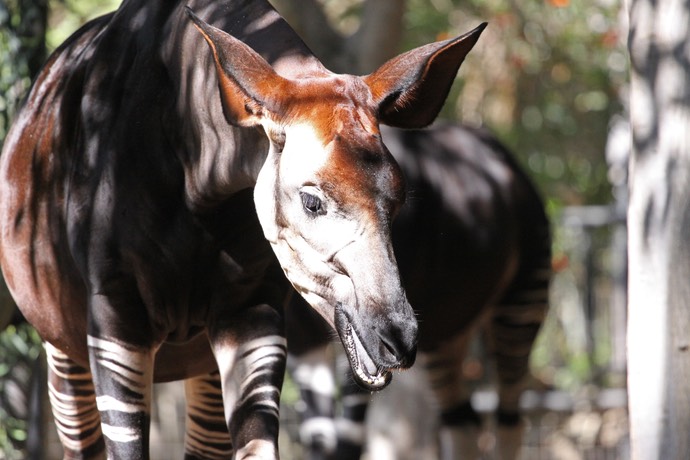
(248,84)
(411,88)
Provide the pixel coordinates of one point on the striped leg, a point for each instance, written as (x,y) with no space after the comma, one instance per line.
(351,425)
(460,424)
(251,352)
(313,374)
(207,434)
(73,402)
(123,379)
(322,436)
(512,332)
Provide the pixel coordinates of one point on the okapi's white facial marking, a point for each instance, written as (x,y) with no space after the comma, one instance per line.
(303,223)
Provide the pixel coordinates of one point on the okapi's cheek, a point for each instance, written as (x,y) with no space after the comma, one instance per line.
(338,290)
(313,275)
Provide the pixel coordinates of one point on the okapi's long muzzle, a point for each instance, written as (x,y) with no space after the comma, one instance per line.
(379,343)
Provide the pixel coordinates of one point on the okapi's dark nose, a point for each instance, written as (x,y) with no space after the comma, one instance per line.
(399,341)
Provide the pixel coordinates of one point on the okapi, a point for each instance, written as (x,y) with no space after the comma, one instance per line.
(157,161)
(473,248)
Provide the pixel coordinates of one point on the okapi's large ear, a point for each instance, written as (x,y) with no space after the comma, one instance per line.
(411,88)
(248,84)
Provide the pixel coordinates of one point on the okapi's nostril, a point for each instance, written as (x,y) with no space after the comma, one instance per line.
(401,347)
(390,348)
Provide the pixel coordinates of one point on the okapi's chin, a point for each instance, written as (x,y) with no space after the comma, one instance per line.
(365,371)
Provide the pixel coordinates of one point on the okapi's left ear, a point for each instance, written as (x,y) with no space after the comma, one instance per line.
(411,88)
(249,87)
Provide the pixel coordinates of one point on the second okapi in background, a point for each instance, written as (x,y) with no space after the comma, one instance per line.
(474,251)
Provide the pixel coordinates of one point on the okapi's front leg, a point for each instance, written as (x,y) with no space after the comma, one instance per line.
(460,424)
(351,425)
(251,351)
(123,378)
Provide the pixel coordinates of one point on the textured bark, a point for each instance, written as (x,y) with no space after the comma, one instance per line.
(659,226)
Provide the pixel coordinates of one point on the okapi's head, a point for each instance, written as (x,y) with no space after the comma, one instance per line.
(329,188)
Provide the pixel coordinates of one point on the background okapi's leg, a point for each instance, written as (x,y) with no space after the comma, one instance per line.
(312,372)
(512,331)
(207,435)
(251,351)
(123,380)
(326,433)
(310,364)
(351,424)
(460,424)
(73,401)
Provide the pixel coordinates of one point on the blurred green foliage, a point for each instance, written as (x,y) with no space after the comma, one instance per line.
(22,50)
(547,77)
(66,16)
(20,347)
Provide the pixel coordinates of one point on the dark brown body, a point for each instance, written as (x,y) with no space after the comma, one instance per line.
(473,233)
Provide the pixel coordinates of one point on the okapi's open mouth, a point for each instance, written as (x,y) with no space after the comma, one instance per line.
(366,373)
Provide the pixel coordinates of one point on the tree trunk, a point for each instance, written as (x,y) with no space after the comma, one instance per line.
(309,20)
(379,34)
(659,229)
(376,40)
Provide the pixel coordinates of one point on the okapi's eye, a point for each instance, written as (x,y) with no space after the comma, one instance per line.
(311,203)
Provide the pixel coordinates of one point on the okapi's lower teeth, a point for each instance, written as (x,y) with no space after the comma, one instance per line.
(373,380)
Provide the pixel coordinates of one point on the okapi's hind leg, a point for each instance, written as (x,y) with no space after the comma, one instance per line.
(207,435)
(73,402)
(511,332)
(460,424)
